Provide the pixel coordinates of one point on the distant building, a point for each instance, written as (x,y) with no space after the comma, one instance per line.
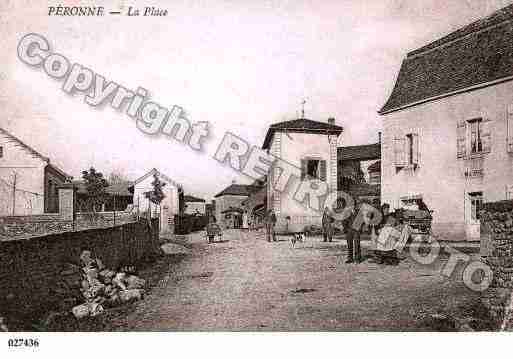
(169,207)
(229,210)
(359,172)
(194,205)
(311,147)
(119,196)
(448,126)
(28,181)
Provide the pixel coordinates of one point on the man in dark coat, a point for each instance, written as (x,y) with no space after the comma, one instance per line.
(327,225)
(270,223)
(353,238)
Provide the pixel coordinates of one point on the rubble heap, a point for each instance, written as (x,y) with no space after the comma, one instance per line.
(101,287)
(497,250)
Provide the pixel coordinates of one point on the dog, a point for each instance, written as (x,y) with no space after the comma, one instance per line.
(297,237)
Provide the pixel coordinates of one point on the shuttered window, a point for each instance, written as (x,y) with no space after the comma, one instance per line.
(509,119)
(486,136)
(400,159)
(461,139)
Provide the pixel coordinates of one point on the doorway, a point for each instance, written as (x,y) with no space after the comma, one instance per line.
(473,204)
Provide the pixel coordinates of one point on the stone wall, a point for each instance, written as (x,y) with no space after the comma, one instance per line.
(31,268)
(37,225)
(497,252)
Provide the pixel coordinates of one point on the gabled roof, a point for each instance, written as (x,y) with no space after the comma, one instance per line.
(359,153)
(161,175)
(471,57)
(238,190)
(32,152)
(375,167)
(301,125)
(189,198)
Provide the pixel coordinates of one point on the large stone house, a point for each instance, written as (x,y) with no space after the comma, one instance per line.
(28,181)
(448,126)
(311,148)
(169,207)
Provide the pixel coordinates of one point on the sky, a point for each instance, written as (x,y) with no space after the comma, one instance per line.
(240,65)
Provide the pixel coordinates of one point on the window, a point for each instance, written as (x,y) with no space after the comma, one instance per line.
(473,137)
(313,168)
(409,149)
(406,151)
(476,144)
(476,203)
(1,152)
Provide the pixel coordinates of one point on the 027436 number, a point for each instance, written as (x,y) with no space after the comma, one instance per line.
(23,342)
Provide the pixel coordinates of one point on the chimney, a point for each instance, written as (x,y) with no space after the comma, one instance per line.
(379,136)
(331,121)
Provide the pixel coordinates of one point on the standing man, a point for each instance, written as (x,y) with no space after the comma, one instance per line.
(353,238)
(327,225)
(270,223)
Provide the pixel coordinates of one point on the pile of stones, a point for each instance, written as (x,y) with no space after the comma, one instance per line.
(101,287)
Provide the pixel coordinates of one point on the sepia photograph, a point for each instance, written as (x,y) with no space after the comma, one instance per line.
(301,167)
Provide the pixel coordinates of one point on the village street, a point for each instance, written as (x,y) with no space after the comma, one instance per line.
(246,283)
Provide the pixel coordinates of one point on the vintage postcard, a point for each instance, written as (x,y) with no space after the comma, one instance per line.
(255,166)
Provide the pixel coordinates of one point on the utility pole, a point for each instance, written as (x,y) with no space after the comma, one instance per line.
(14,195)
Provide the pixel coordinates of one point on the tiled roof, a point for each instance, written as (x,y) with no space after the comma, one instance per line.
(300,125)
(359,153)
(474,55)
(189,198)
(238,190)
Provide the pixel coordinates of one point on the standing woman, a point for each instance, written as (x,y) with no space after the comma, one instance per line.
(327,225)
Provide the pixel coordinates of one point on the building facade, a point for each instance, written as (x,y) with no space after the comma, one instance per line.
(310,147)
(448,126)
(228,205)
(170,206)
(28,181)
(194,205)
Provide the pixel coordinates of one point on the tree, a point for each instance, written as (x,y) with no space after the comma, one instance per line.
(95,185)
(117,176)
(156,195)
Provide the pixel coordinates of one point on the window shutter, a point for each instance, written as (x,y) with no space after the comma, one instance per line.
(303,169)
(509,119)
(400,152)
(486,135)
(322,170)
(461,136)
(415,139)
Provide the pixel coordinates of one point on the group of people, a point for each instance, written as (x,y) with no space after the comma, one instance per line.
(388,237)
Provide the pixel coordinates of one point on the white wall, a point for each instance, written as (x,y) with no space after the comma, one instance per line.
(29,178)
(292,147)
(439,177)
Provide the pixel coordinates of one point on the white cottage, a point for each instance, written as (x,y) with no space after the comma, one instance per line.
(28,182)
(311,147)
(169,207)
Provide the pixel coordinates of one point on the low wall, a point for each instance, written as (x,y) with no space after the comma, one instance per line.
(497,252)
(30,268)
(42,224)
